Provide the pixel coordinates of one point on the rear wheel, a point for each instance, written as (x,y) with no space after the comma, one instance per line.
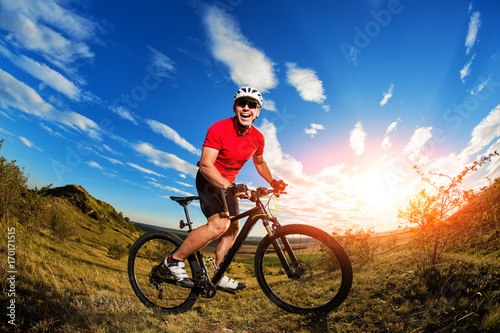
(320,275)
(150,279)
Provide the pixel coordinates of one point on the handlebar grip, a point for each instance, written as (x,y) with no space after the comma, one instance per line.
(262,191)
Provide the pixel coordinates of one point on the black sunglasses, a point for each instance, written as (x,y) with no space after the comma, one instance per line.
(243,102)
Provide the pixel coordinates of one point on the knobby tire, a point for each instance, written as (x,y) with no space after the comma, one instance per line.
(148,252)
(321,276)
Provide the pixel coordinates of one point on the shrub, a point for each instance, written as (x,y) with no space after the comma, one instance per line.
(116,251)
(16,200)
(58,226)
(359,243)
(430,214)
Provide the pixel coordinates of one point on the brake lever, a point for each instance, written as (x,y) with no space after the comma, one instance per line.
(254,195)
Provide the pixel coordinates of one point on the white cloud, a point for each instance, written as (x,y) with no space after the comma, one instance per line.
(165,160)
(107,148)
(21,139)
(470,40)
(112,160)
(109,159)
(343,194)
(464,72)
(51,12)
(163,65)
(16,94)
(169,188)
(480,87)
(386,144)
(247,65)
(171,134)
(313,130)
(485,132)
(332,195)
(147,171)
(280,163)
(357,139)
(28,32)
(306,82)
(494,167)
(52,33)
(474,24)
(387,95)
(269,105)
(184,184)
(417,142)
(54,79)
(340,193)
(354,55)
(482,141)
(124,113)
(94,165)
(44,73)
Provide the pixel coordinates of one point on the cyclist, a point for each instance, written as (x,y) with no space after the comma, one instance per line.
(229,143)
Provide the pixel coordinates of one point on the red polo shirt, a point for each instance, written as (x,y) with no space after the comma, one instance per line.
(234,148)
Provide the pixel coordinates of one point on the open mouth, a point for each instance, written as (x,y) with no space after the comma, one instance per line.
(246,116)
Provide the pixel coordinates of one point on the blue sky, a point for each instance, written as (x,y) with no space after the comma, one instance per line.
(117,97)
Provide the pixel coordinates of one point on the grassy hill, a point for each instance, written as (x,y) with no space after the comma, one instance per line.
(64,268)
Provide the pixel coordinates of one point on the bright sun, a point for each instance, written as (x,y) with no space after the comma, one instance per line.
(374,189)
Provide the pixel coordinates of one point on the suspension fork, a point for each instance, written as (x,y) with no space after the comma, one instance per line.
(287,248)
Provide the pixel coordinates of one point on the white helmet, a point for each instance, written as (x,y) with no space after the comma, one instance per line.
(249,92)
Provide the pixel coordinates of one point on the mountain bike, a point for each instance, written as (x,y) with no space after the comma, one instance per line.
(300,268)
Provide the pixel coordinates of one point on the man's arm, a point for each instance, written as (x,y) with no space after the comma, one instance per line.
(208,169)
(262,168)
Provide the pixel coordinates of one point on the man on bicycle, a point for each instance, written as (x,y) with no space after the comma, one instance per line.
(229,143)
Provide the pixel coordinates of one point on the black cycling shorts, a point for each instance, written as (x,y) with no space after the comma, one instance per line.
(212,198)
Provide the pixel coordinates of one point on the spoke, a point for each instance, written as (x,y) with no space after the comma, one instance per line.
(316,277)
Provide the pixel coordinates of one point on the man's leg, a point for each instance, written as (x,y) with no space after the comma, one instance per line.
(225,242)
(201,236)
(196,240)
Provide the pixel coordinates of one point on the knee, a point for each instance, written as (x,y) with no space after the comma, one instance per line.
(218,227)
(218,231)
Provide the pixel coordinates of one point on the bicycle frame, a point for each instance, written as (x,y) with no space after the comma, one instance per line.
(238,242)
(254,214)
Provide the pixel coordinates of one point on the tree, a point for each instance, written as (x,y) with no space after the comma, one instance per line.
(430,214)
(13,185)
(17,201)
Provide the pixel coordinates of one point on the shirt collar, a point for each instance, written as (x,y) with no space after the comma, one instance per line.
(235,125)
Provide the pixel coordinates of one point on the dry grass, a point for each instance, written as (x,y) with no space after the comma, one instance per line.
(75,286)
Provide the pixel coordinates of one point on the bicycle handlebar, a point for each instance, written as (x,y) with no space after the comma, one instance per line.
(262,191)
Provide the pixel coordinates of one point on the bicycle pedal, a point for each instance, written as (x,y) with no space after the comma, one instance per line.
(227,290)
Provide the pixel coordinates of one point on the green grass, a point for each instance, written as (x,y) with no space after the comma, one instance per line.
(77,285)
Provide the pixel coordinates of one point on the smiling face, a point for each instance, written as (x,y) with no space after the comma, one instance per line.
(246,110)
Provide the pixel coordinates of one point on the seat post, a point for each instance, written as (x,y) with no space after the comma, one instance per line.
(184,202)
(188,219)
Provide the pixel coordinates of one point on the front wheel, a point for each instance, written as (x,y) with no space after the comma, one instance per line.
(150,279)
(316,277)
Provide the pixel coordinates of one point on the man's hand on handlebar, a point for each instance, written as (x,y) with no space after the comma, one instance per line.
(278,185)
(242,191)
(238,190)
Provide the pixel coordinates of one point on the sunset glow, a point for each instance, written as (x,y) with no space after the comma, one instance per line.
(355,94)
(375,189)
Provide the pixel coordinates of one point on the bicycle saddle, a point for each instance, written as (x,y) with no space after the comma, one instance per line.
(184,200)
